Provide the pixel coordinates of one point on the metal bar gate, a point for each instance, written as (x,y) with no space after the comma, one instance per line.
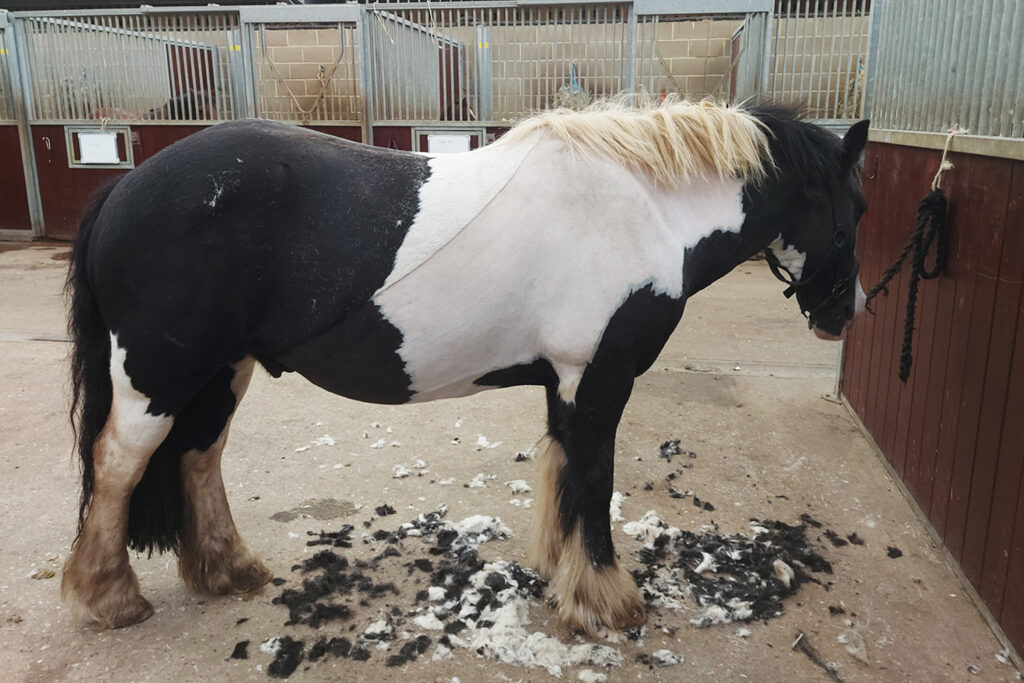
(390,73)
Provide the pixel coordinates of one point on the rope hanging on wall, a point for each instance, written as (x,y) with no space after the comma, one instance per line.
(932,223)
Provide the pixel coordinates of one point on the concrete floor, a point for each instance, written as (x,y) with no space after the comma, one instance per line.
(741,384)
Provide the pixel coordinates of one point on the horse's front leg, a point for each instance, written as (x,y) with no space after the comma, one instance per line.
(573,545)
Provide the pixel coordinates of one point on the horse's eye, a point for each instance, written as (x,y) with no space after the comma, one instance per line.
(839,238)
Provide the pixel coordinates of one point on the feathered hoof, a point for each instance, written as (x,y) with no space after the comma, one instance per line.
(109,602)
(588,598)
(240,574)
(251,578)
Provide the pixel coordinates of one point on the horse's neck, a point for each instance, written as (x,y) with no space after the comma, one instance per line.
(708,221)
(723,251)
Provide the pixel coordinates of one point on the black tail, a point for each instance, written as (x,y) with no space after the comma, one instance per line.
(90,351)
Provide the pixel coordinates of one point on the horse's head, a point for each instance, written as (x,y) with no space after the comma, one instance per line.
(817,203)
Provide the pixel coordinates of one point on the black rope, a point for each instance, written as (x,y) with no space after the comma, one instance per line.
(931,229)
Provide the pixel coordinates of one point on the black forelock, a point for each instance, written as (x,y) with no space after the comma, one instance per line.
(799,148)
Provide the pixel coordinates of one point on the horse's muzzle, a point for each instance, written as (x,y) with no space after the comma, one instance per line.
(822,334)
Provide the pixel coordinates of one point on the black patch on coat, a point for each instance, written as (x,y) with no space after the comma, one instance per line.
(356,358)
(586,428)
(304,228)
(241,650)
(537,373)
(254,238)
(155,518)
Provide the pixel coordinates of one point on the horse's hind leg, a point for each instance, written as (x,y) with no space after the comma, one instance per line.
(98,579)
(212,557)
(573,546)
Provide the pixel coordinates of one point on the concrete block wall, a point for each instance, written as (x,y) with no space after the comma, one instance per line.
(294,74)
(691,57)
(531,63)
(820,61)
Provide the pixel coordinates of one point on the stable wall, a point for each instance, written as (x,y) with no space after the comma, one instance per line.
(954,433)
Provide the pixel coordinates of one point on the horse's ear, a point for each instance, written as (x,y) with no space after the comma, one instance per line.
(853,143)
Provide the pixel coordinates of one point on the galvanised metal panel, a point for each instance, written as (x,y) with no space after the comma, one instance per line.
(947,63)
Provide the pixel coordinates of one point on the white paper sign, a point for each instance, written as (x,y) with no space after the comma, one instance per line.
(98,148)
(448,143)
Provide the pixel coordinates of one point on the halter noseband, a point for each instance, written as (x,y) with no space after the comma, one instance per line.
(784,275)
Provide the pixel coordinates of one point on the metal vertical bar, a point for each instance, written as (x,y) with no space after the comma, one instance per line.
(23,113)
(63,45)
(793,93)
(116,93)
(202,30)
(363,33)
(764,71)
(834,30)
(805,78)
(631,49)
(107,89)
(246,72)
(189,49)
(844,59)
(817,67)
(5,109)
(402,62)
(141,41)
(112,91)
(788,52)
(771,83)
(104,78)
(40,109)
(863,60)
(445,55)
(174,34)
(875,28)
(77,36)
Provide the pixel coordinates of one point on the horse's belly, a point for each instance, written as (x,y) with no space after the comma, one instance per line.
(357,358)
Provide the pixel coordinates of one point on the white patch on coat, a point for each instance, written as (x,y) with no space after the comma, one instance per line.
(459,187)
(789,256)
(540,270)
(861,299)
(138,431)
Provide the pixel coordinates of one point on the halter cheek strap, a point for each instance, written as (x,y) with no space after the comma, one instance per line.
(778,269)
(839,289)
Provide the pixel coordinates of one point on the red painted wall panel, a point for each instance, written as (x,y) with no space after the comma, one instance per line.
(13,200)
(955,431)
(65,191)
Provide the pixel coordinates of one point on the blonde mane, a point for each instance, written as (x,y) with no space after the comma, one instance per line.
(676,142)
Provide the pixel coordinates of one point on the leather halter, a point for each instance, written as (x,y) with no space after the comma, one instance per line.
(839,289)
